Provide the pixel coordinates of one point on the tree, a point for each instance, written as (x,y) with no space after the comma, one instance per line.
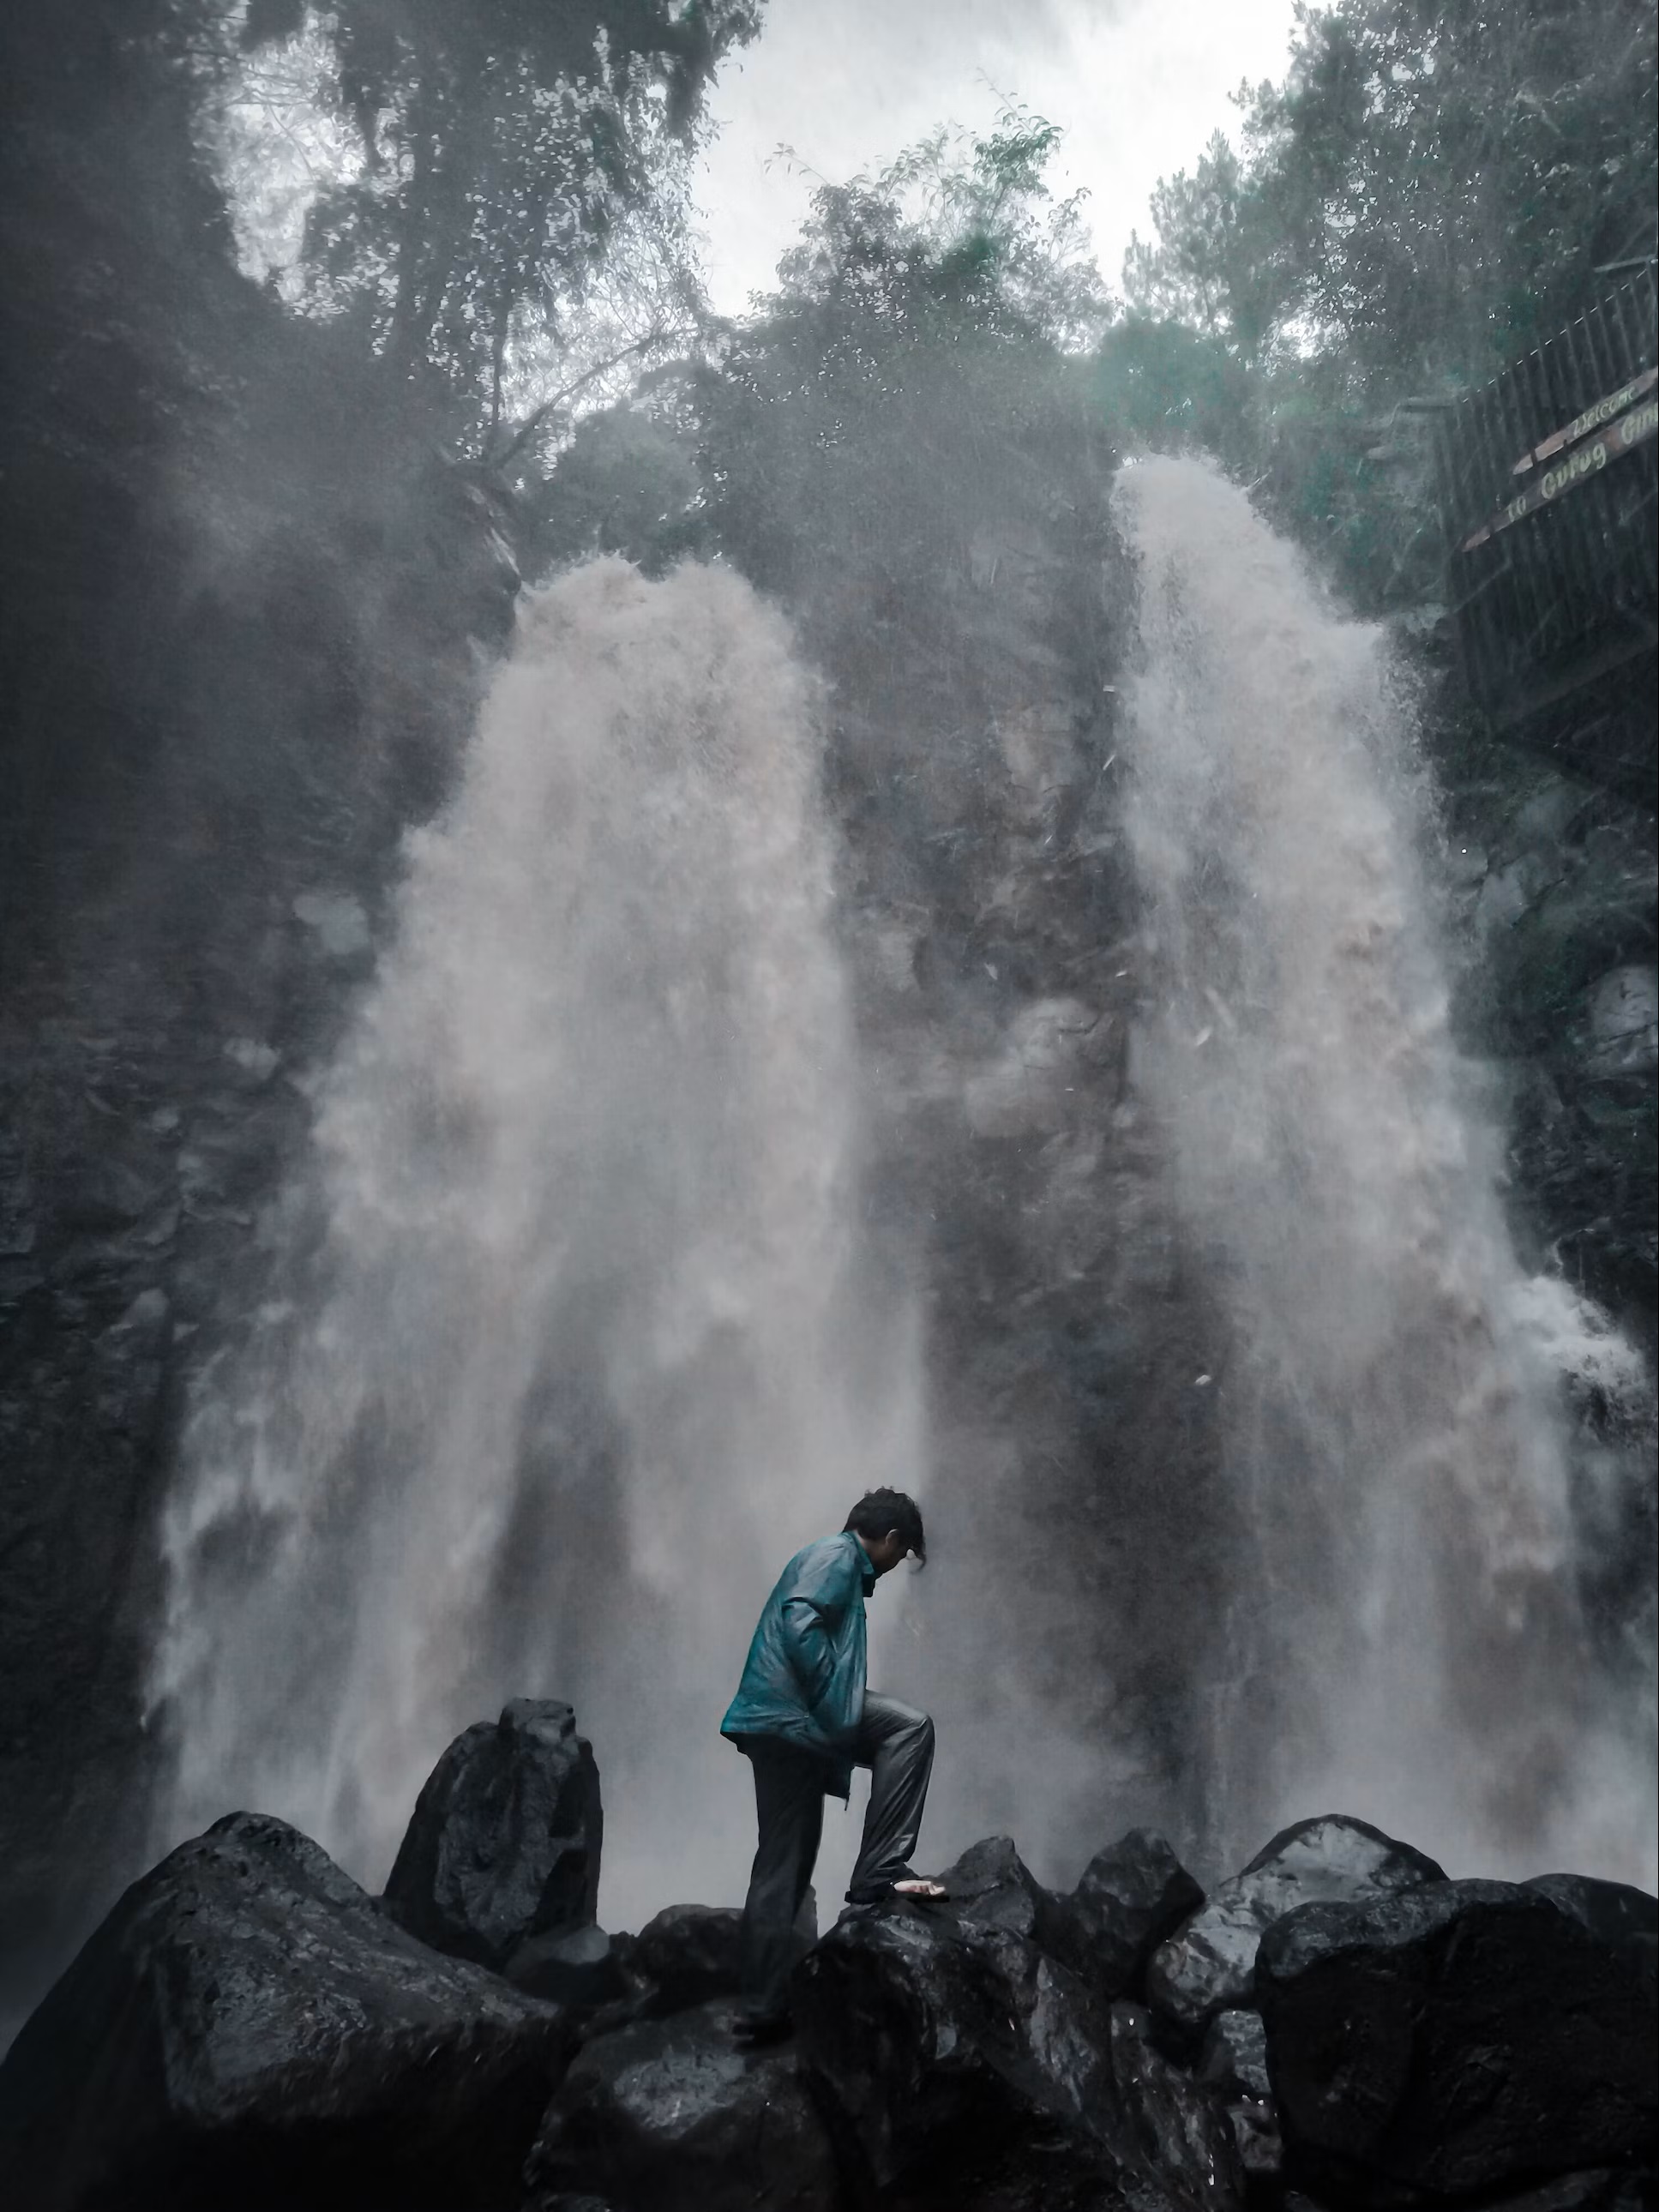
(1428,192)
(504,144)
(930,323)
(1432,189)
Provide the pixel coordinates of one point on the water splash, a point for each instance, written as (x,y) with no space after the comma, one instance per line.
(590,1344)
(1406,1637)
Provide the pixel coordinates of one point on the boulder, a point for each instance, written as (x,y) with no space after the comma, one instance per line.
(1131,1897)
(582,1967)
(1234,2057)
(991,1886)
(921,2029)
(1600,2190)
(248,2028)
(672,2116)
(1209,1964)
(504,1844)
(1613,1912)
(691,1953)
(954,2056)
(1455,2039)
(1179,2124)
(1233,2060)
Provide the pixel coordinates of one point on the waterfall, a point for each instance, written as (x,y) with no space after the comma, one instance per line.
(587,1343)
(1404,1639)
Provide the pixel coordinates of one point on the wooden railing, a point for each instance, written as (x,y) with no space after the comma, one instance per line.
(1550,499)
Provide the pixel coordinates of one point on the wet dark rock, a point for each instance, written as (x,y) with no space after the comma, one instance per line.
(505,1840)
(1458,2037)
(1233,2060)
(248,2027)
(672,2116)
(691,1953)
(944,2045)
(583,1967)
(1602,2190)
(1209,1964)
(1180,2123)
(1613,1912)
(1132,1896)
(991,1885)
(1234,2056)
(919,2028)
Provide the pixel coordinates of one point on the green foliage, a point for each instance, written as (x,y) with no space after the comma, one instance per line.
(504,144)
(1429,191)
(627,482)
(1169,383)
(918,344)
(899,445)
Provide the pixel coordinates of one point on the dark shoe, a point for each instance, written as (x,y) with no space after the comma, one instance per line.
(758,2031)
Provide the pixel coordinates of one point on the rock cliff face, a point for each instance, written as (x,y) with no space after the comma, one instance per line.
(238,653)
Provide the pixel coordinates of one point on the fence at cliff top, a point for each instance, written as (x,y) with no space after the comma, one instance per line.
(1549,496)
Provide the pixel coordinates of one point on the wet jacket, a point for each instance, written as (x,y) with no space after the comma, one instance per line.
(803,1678)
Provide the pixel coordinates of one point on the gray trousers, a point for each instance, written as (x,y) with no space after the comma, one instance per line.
(895,1743)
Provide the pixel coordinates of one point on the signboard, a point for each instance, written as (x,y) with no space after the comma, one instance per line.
(1584,452)
(1593,418)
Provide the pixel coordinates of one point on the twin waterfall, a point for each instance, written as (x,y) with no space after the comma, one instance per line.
(580,1334)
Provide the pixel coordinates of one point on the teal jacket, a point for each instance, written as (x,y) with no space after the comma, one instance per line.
(803,1678)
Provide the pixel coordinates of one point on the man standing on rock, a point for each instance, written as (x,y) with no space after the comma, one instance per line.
(804,1718)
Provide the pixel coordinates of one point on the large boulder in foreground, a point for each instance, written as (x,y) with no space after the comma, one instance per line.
(504,1844)
(671,2116)
(1453,2041)
(962,2064)
(1209,1964)
(248,2028)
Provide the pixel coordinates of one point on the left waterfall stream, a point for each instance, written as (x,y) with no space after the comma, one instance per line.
(583,1339)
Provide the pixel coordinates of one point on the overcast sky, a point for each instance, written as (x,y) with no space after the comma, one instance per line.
(1136,86)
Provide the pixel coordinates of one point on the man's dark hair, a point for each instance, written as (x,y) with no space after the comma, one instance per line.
(879,1510)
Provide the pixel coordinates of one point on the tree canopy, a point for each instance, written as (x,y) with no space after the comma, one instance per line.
(504,144)
(1434,186)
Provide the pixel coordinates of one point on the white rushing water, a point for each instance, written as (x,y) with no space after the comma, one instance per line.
(589,1345)
(574,1334)
(1405,1640)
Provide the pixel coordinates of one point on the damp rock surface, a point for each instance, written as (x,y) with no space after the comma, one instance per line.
(580,1967)
(673,2115)
(1455,2039)
(505,1841)
(942,2044)
(1210,1962)
(1130,1898)
(248,2027)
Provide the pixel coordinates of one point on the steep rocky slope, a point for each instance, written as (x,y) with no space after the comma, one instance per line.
(241,607)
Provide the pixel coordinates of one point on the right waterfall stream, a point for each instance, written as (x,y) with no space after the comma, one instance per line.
(1406,1640)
